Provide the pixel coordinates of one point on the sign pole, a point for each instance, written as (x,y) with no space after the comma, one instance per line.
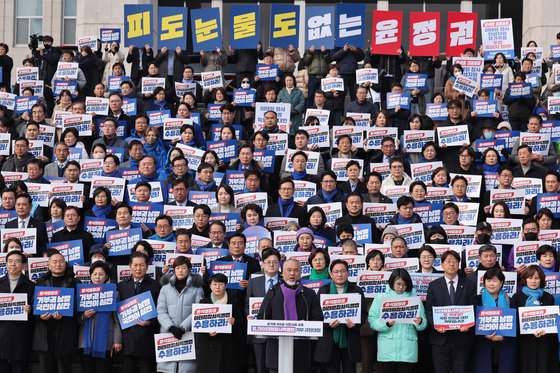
(285,354)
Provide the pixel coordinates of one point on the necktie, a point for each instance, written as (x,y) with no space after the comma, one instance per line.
(451,292)
(22,224)
(136,287)
(270,284)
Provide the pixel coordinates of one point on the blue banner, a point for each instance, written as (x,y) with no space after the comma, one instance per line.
(206,29)
(216,129)
(481,145)
(72,251)
(551,201)
(430,213)
(235,272)
(244,97)
(203,198)
(419,81)
(69,85)
(491,81)
(230,219)
(138,25)
(551,127)
(267,72)
(99,298)
(140,306)
(214,113)
(319,27)
(395,99)
(236,180)
(172,27)
(156,117)
(553,284)
(362,233)
(123,240)
(267,158)
(533,79)
(315,284)
(350,25)
(510,137)
(24,103)
(114,82)
(244,29)
(109,35)
(436,111)
(518,90)
(7,215)
(211,254)
(98,227)
(51,300)
(284,25)
(485,108)
(145,213)
(226,150)
(119,152)
(52,228)
(490,320)
(129,106)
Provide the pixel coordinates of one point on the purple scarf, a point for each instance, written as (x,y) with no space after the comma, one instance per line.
(290,309)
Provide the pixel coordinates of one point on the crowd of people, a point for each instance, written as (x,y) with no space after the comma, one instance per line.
(164,166)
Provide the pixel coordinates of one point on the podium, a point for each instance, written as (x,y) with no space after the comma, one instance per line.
(285,331)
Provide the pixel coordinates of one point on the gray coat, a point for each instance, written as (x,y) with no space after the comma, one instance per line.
(174,309)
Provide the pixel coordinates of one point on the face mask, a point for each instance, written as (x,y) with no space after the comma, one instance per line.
(531,236)
(438,241)
(458,74)
(46,46)
(489,135)
(97,260)
(117,48)
(245,85)
(483,238)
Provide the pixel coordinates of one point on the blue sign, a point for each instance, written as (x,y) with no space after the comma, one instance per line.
(100,298)
(490,320)
(157,117)
(139,307)
(7,215)
(395,99)
(235,272)
(481,145)
(123,240)
(138,24)
(51,300)
(510,137)
(550,201)
(430,213)
(350,25)
(68,85)
(172,27)
(52,228)
(236,180)
(214,112)
(518,90)
(230,219)
(418,81)
(267,158)
(362,233)
(206,29)
(72,251)
(145,213)
(244,29)
(436,111)
(216,129)
(129,106)
(244,97)
(485,108)
(267,72)
(533,79)
(284,25)
(491,81)
(98,227)
(212,254)
(114,82)
(109,35)
(551,127)
(25,103)
(226,149)
(319,27)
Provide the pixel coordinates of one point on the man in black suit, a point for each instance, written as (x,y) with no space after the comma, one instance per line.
(74,230)
(286,206)
(355,215)
(180,189)
(451,348)
(138,340)
(258,287)
(217,232)
(527,167)
(25,220)
(237,244)
(139,58)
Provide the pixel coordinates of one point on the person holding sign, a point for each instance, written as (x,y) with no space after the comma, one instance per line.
(502,67)
(450,348)
(527,167)
(340,343)
(536,352)
(397,342)
(174,308)
(16,335)
(221,352)
(292,95)
(100,332)
(138,340)
(417,99)
(534,125)
(491,348)
(55,337)
(519,107)
(452,94)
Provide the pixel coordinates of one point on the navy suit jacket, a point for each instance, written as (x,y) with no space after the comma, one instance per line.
(438,296)
(42,238)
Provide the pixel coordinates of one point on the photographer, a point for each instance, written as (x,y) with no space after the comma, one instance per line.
(48,56)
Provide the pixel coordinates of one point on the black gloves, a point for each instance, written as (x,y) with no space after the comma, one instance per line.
(176,331)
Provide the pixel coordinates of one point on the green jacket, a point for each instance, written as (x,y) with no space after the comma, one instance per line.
(297,100)
(398,343)
(317,62)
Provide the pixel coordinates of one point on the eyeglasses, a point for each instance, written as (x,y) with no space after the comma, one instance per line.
(271,262)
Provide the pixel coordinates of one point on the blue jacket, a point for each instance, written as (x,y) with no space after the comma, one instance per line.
(398,343)
(175,309)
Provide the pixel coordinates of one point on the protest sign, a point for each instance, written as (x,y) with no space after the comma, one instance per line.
(149,83)
(244,97)
(53,299)
(209,318)
(122,241)
(267,72)
(367,75)
(413,141)
(381,212)
(375,135)
(27,237)
(321,114)
(400,99)
(497,37)
(318,135)
(539,142)
(496,321)
(459,235)
(514,199)
(168,348)
(373,283)
(235,272)
(525,253)
(100,298)
(436,111)
(453,317)
(340,307)
(505,230)
(550,201)
(453,136)
(72,251)
(139,307)
(491,81)
(356,134)
(538,318)
(421,281)
(518,90)
(416,81)
(211,79)
(332,84)
(12,307)
(410,264)
(400,310)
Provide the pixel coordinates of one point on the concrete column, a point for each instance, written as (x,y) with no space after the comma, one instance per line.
(466,6)
(383,5)
(540,22)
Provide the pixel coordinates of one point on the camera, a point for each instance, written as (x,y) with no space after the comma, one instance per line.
(34,41)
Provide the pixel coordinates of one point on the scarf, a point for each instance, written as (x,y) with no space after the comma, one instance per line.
(328,198)
(161,105)
(289,205)
(190,143)
(153,149)
(260,224)
(275,130)
(290,307)
(133,163)
(533,296)
(465,199)
(241,168)
(116,173)
(205,187)
(319,276)
(299,175)
(339,333)
(246,190)
(493,169)
(215,300)
(488,300)
(402,220)
(100,335)
(547,271)
(170,238)
(103,211)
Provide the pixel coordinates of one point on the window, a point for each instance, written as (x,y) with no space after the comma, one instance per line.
(29,19)
(69,22)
